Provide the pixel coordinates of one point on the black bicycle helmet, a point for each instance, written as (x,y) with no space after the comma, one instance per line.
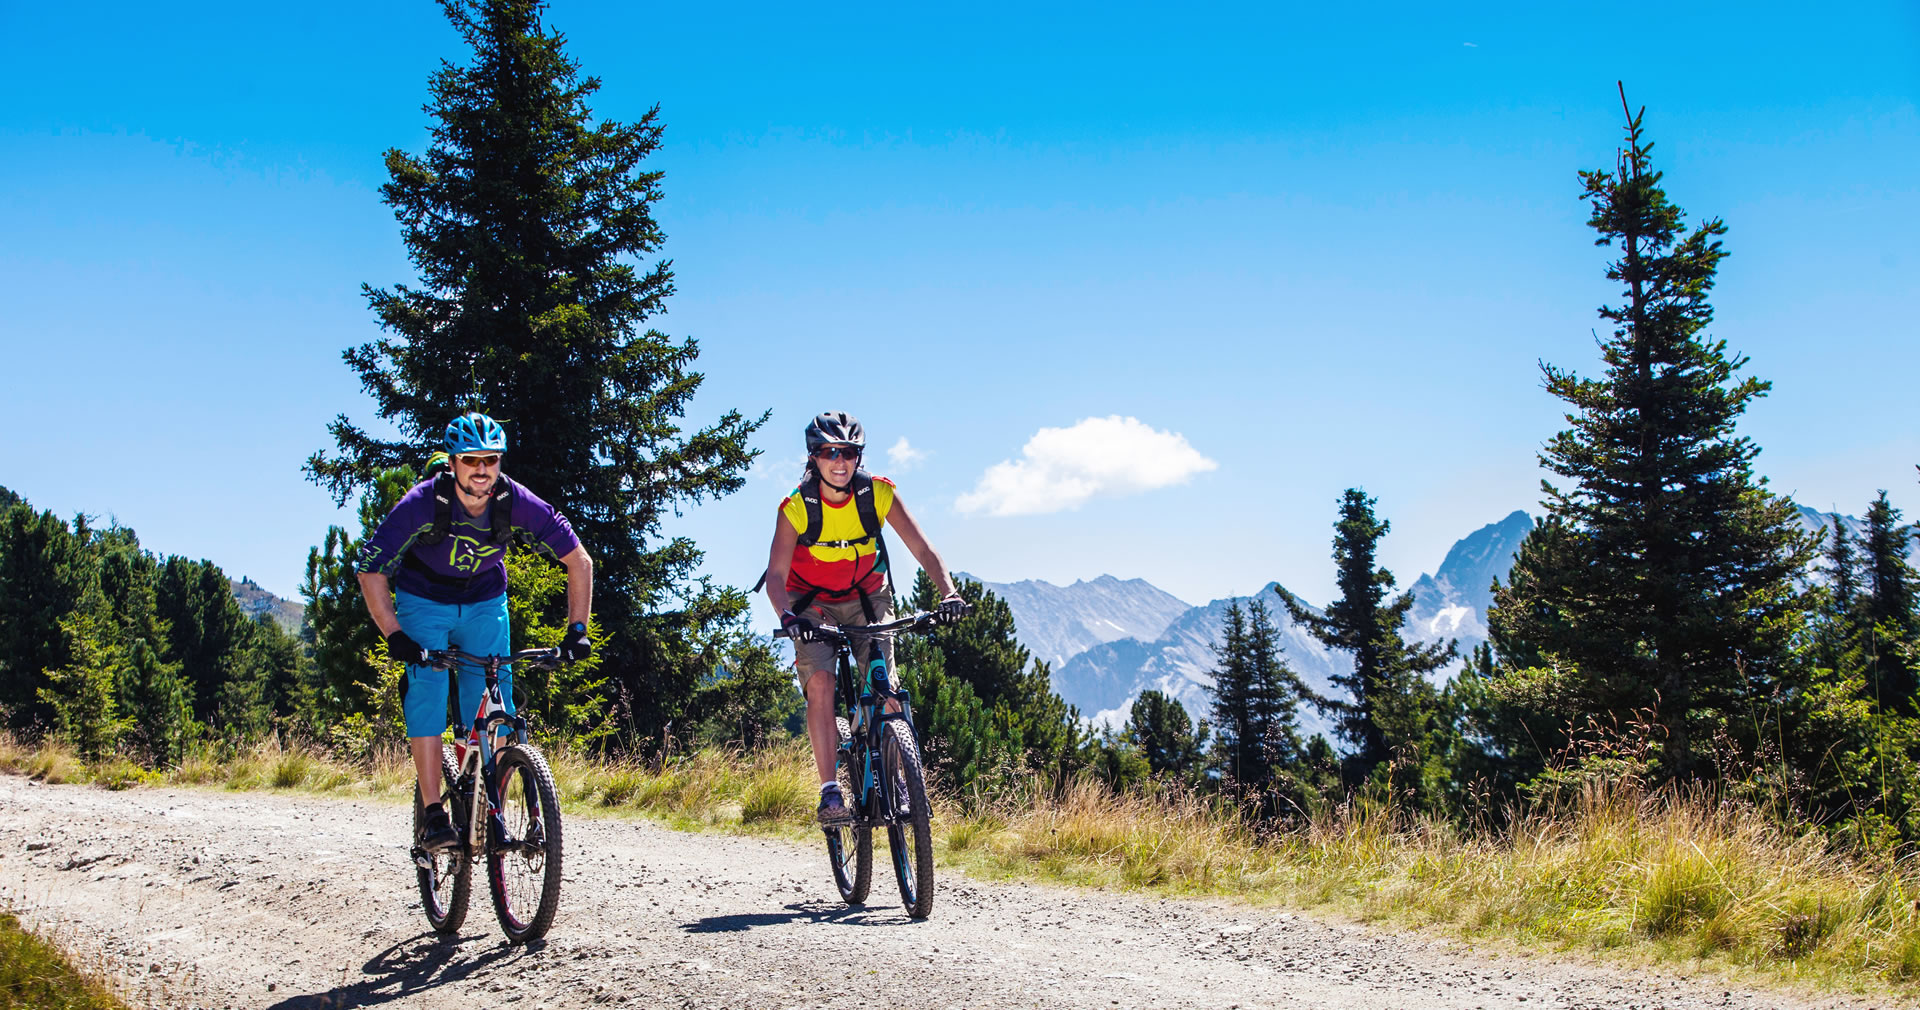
(835,427)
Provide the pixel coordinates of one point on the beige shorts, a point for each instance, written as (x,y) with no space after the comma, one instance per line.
(811,656)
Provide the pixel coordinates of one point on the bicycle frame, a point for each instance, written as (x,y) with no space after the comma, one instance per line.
(867,715)
(474,755)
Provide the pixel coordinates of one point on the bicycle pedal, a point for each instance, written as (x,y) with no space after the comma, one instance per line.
(422,858)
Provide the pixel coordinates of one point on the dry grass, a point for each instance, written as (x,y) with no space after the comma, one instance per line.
(1663,876)
(1658,876)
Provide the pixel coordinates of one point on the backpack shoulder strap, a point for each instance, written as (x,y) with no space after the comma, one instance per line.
(443,493)
(862,488)
(810,497)
(500,514)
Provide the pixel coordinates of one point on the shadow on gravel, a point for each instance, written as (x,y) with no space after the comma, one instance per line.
(811,911)
(416,963)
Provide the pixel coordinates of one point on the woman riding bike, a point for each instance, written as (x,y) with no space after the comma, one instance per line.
(828,565)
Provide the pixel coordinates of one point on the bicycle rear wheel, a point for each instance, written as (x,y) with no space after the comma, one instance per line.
(850,849)
(903,786)
(446,883)
(523,851)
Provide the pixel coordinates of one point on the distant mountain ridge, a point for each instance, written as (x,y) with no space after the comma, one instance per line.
(1103,672)
(289,614)
(1058,622)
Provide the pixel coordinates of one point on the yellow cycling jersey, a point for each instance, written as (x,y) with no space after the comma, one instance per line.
(837,571)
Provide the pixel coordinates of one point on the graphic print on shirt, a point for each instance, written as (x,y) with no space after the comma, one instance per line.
(465,554)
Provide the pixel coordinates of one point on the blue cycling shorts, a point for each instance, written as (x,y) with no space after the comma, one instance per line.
(477,628)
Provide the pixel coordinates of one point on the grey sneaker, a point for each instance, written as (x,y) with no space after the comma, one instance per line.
(833,808)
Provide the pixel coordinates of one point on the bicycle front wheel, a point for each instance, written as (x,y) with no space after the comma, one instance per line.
(523,847)
(910,835)
(850,849)
(446,881)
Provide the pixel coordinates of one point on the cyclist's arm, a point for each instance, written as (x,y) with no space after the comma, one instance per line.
(902,522)
(579,586)
(780,562)
(377,589)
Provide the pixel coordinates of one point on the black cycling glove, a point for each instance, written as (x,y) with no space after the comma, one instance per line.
(952,609)
(576,646)
(798,628)
(402,647)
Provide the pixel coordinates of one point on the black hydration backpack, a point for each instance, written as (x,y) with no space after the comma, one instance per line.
(499,511)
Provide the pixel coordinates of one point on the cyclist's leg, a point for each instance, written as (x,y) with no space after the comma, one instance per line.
(813,665)
(483,630)
(423,690)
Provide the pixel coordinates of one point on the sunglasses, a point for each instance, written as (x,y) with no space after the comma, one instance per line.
(476,462)
(837,452)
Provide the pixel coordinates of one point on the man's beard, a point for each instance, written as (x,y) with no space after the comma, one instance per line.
(467,489)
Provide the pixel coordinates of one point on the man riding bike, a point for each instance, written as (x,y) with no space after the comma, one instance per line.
(447,540)
(828,565)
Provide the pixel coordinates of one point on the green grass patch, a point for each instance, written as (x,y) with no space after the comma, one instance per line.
(36,975)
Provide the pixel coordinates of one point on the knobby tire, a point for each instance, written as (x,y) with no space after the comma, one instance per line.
(849,849)
(446,888)
(525,879)
(911,839)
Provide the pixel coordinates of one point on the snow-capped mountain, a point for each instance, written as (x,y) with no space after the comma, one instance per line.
(1108,640)
(1059,622)
(1453,601)
(1104,680)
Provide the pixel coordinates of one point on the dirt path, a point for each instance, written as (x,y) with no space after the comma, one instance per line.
(216,899)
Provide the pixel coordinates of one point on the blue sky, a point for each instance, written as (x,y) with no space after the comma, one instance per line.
(1300,250)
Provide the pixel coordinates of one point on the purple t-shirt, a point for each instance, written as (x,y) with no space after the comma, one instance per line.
(467,566)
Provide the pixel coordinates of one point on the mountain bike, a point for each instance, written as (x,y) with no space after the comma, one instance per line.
(878,764)
(501,798)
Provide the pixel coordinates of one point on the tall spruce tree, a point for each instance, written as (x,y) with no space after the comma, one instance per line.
(530,223)
(1662,579)
(1394,713)
(1887,606)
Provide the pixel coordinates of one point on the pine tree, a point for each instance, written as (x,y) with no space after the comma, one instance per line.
(748,697)
(1236,709)
(1843,566)
(1394,711)
(338,630)
(83,694)
(1166,737)
(529,222)
(208,632)
(1277,693)
(1886,608)
(47,569)
(1021,709)
(1661,580)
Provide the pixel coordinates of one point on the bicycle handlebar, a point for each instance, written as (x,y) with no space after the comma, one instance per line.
(447,659)
(922,621)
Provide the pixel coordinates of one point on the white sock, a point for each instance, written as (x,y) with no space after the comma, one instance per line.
(824,786)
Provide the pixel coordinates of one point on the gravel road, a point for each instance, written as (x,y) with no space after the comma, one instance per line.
(215,899)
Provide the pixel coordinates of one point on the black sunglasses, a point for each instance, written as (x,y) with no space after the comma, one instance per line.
(837,452)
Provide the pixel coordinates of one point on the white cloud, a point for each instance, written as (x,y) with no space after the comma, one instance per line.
(1060,468)
(904,456)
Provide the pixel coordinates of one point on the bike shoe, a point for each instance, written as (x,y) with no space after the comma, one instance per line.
(437,832)
(833,808)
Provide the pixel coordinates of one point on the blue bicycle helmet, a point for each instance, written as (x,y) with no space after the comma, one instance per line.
(475,432)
